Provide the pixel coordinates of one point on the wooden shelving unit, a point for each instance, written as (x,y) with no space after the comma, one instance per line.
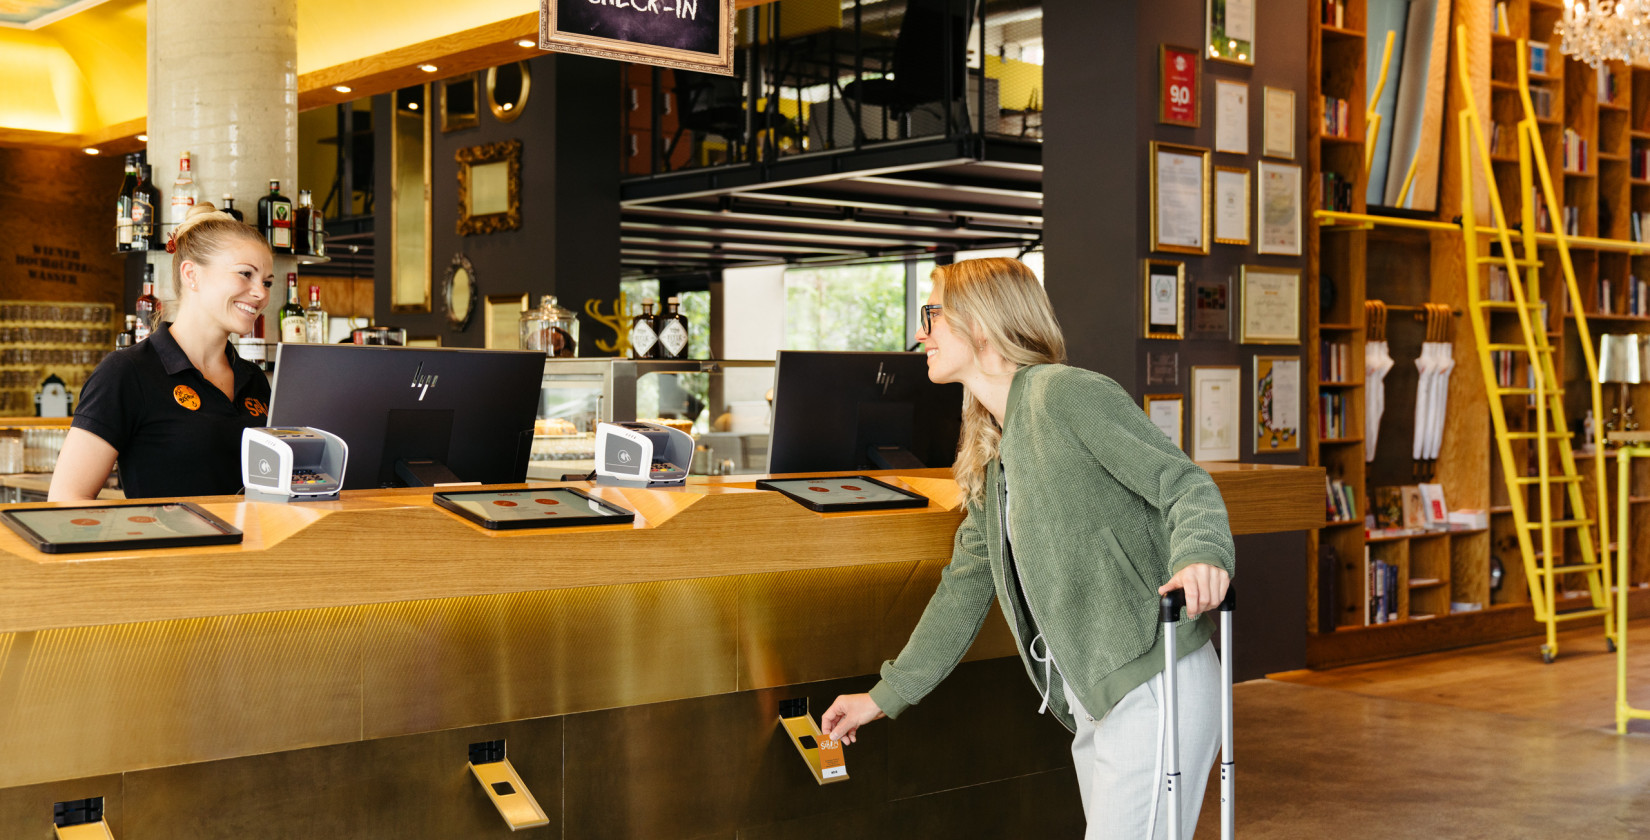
(1438,570)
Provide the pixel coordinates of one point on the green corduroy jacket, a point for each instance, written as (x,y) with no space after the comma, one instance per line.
(1105,510)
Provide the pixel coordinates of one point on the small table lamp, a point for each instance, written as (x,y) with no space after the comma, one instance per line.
(1620,362)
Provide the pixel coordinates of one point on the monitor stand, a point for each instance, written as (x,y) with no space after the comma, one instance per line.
(893,458)
(424,472)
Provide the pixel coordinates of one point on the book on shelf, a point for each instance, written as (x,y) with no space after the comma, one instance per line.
(1635,224)
(1638,162)
(1504,139)
(1638,296)
(1572,221)
(1341,504)
(1335,193)
(1337,117)
(1433,509)
(1505,362)
(1538,57)
(1331,415)
(1609,86)
(1380,590)
(1499,286)
(1334,13)
(1499,23)
(1541,99)
(1605,298)
(1574,148)
(1335,361)
(1543,220)
(1387,506)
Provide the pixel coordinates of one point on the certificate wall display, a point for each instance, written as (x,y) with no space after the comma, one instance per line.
(1231,205)
(1231,117)
(1278,208)
(1231,32)
(1165,283)
(1179,86)
(1180,199)
(1277,404)
(1216,413)
(1278,123)
(1271,311)
(1212,309)
(1167,413)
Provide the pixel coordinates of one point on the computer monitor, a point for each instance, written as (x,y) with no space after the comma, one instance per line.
(850,411)
(414,416)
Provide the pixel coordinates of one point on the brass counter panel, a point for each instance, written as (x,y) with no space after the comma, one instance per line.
(465,661)
(391,789)
(818,624)
(911,598)
(86,701)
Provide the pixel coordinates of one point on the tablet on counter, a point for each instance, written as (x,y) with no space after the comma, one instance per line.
(63,530)
(843,493)
(544,508)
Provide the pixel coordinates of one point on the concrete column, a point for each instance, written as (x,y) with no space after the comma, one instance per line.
(223,85)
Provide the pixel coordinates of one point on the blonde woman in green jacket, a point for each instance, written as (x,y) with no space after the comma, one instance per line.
(1080,515)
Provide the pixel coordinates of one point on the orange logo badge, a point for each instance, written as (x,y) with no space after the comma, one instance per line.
(187,397)
(256,407)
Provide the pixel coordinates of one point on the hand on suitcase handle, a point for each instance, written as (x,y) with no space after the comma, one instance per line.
(1175,601)
(1203,586)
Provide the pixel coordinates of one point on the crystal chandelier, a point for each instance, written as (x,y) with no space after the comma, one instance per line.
(1596,31)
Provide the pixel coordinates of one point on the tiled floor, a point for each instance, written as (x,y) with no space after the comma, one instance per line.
(1486,742)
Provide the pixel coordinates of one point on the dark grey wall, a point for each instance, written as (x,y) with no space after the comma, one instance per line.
(568,243)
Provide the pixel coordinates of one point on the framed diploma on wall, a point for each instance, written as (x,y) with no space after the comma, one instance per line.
(1216,413)
(1180,199)
(1167,413)
(1278,208)
(1231,117)
(1270,311)
(1164,297)
(1231,205)
(1231,31)
(1277,404)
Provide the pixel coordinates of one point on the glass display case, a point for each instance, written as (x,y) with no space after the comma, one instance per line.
(725,405)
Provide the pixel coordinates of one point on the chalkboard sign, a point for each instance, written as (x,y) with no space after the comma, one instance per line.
(684,34)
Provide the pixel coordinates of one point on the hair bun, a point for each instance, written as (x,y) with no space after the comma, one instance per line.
(201,208)
(204,211)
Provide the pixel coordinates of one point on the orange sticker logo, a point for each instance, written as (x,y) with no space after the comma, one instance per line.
(256,407)
(187,397)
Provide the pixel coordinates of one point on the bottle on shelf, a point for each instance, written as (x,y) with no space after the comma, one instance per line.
(184,193)
(275,219)
(315,318)
(644,340)
(229,207)
(128,336)
(123,207)
(292,314)
(302,243)
(317,231)
(145,200)
(673,331)
(148,306)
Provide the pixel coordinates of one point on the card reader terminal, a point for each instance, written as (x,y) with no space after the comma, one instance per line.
(637,454)
(292,463)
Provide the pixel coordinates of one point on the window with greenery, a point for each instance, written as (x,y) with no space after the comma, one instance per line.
(853,307)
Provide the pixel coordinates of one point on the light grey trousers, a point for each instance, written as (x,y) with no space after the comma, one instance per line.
(1119,757)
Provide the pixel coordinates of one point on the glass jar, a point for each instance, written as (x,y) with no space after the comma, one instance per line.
(550,329)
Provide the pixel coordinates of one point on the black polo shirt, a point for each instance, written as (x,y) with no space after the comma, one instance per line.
(177,434)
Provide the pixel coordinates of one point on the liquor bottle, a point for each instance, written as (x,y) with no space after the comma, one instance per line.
(673,331)
(275,219)
(184,193)
(127,337)
(317,231)
(229,207)
(303,228)
(644,340)
(145,227)
(123,207)
(292,315)
(148,306)
(315,318)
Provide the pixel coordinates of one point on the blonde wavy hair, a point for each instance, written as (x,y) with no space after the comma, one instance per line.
(995,301)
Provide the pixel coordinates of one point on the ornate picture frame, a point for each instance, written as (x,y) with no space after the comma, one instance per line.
(489,181)
(1180,198)
(1277,403)
(1163,304)
(460,103)
(573,30)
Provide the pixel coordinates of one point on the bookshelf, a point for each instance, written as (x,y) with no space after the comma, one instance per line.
(1595,136)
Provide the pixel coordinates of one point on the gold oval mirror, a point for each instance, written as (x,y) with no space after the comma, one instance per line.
(507,88)
(460,292)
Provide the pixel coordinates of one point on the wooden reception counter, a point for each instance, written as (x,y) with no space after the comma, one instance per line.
(326,676)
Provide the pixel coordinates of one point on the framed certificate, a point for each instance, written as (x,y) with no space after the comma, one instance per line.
(1231,117)
(1216,413)
(1167,412)
(1211,308)
(1231,205)
(1278,123)
(1278,208)
(1179,86)
(1277,404)
(1270,299)
(1231,31)
(1180,199)
(1164,306)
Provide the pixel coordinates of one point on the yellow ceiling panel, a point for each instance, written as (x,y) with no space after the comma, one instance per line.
(332,33)
(41,88)
(108,42)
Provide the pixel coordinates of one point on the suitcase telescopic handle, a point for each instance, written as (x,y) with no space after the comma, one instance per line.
(1175,601)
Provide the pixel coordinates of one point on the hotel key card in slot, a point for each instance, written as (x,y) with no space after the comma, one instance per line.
(292,464)
(515,803)
(823,756)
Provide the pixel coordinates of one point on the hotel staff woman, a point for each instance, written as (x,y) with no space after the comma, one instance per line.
(1080,514)
(172,407)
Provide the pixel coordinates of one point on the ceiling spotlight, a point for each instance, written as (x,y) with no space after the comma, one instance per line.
(428,68)
(342,88)
(90,150)
(412,106)
(143,138)
(526,43)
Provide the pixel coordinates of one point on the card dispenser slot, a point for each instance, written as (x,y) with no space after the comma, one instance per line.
(80,819)
(515,803)
(823,756)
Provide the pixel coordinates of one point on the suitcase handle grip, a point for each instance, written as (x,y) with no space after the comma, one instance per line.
(1175,601)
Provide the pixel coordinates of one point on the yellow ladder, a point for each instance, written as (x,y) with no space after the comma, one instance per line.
(1551,430)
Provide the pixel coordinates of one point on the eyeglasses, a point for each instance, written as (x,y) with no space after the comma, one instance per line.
(928,312)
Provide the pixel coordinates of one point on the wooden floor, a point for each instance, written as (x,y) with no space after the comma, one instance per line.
(1484,742)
